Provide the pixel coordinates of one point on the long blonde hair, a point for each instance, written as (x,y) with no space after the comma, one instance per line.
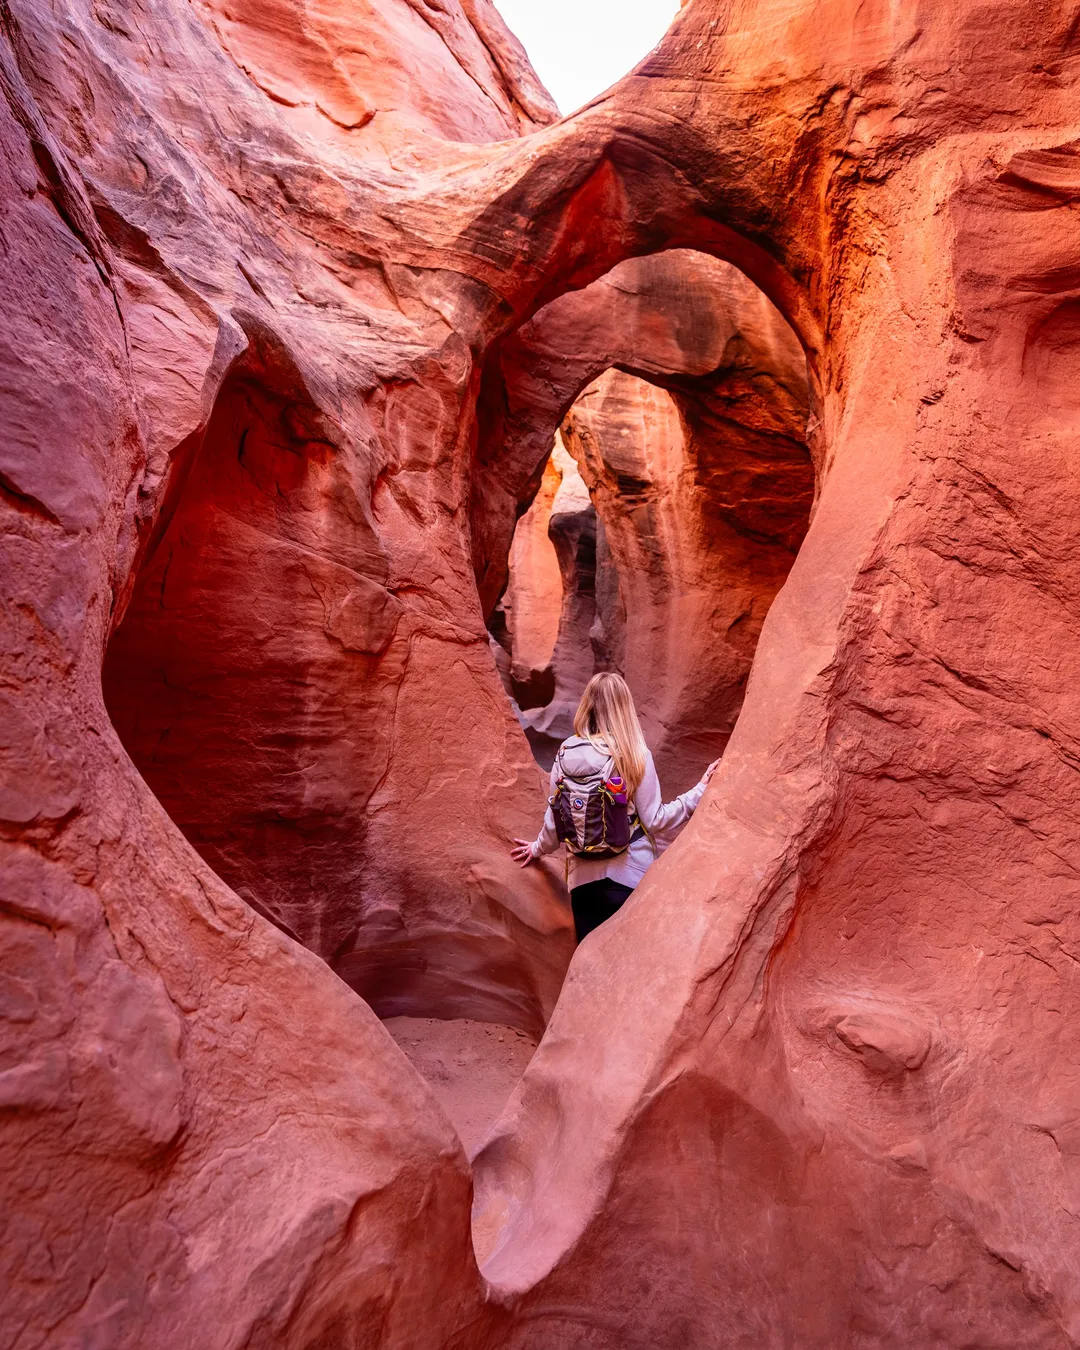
(607,713)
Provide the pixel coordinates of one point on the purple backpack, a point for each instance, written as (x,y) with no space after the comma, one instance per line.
(592,813)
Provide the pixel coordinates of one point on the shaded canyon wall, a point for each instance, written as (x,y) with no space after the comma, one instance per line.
(301,661)
(692,445)
(229,458)
(816,1084)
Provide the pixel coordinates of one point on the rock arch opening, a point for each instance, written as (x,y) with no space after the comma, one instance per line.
(670,508)
(277,695)
(257,676)
(642,487)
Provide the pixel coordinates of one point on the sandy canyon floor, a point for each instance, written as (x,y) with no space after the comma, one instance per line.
(472,1067)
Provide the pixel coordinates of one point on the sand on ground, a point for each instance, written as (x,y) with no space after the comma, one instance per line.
(472,1067)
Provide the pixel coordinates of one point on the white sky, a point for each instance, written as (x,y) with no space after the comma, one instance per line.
(581,47)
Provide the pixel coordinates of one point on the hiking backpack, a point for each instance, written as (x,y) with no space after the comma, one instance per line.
(592,814)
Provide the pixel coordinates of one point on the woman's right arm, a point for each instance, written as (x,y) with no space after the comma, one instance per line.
(548,840)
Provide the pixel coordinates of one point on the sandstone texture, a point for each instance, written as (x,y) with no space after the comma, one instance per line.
(301,661)
(530,611)
(574,537)
(270,274)
(210,411)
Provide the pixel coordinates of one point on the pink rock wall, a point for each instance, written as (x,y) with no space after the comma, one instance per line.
(367,75)
(207,1138)
(533,607)
(844,1121)
(573,531)
(815,1085)
(292,606)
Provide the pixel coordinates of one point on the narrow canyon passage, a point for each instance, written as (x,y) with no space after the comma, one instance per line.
(670,510)
(356,407)
(252,671)
(667,517)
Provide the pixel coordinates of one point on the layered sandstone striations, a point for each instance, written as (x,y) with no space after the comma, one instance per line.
(816,1084)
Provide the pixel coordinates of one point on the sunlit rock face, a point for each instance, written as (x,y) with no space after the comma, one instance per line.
(702,516)
(843,1120)
(527,621)
(573,541)
(400,71)
(816,1084)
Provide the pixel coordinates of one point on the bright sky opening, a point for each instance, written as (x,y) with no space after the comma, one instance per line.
(581,47)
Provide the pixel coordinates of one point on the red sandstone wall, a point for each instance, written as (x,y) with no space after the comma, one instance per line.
(302,654)
(844,1121)
(574,534)
(701,480)
(207,1137)
(816,1084)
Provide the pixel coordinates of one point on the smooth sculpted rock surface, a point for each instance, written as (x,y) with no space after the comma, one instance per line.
(844,1121)
(574,534)
(817,1084)
(553,575)
(301,669)
(529,614)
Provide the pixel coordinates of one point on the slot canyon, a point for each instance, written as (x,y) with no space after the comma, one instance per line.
(356,409)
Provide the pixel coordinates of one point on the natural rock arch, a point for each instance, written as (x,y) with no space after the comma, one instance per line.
(818,1125)
(699,540)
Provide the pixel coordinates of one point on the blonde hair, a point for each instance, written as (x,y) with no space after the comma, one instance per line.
(607,713)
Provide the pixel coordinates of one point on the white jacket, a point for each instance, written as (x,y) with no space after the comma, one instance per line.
(662,820)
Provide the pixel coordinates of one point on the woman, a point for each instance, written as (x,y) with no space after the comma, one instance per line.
(607,729)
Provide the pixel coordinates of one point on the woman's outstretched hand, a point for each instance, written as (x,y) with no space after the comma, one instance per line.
(523,854)
(711,770)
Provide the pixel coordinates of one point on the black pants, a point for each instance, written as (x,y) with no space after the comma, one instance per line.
(595,902)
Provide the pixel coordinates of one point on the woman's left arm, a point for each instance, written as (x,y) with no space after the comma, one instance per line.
(659,816)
